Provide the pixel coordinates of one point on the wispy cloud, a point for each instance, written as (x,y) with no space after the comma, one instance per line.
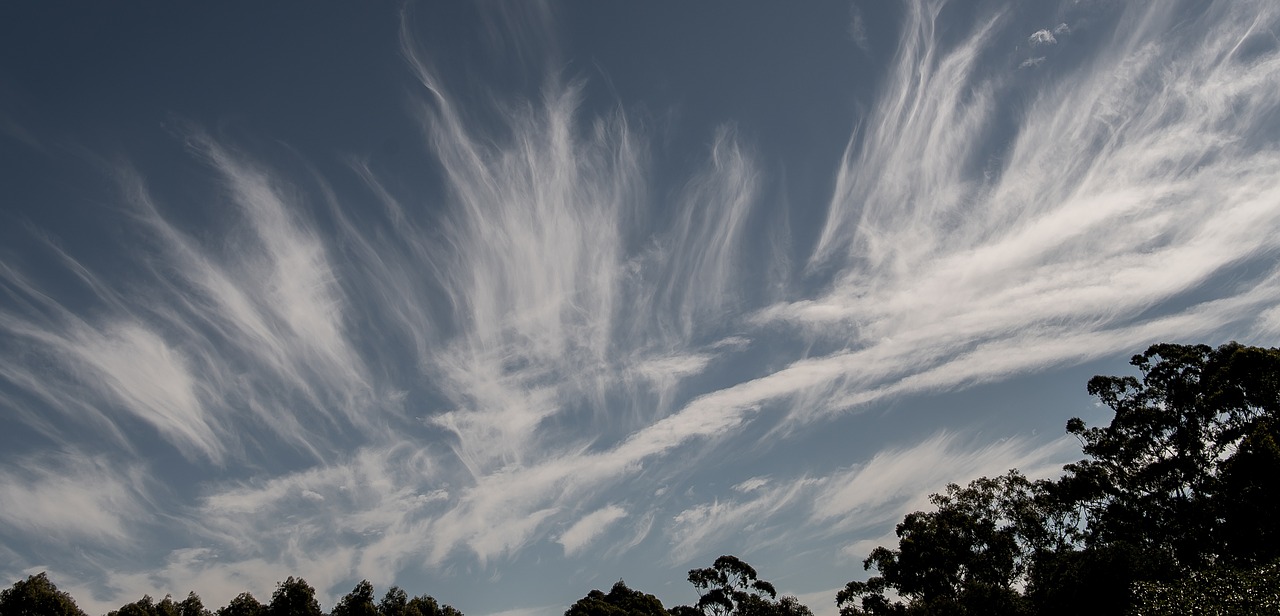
(752,519)
(120,361)
(545,610)
(1041,37)
(72,499)
(898,480)
(382,380)
(203,338)
(585,530)
(869,496)
(1128,183)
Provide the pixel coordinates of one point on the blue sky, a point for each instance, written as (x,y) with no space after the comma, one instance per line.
(505,302)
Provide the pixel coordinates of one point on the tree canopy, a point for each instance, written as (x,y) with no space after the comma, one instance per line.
(1181,482)
(619,601)
(731,587)
(358,602)
(294,597)
(244,604)
(191,606)
(37,596)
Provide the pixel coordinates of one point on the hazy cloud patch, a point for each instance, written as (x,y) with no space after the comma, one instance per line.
(588,528)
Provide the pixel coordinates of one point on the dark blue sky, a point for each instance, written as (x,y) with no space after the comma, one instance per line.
(505,301)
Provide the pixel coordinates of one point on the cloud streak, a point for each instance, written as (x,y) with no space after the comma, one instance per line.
(553,347)
(1125,185)
(73,499)
(585,530)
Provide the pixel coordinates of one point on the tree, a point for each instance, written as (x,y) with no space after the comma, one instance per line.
(619,601)
(294,597)
(37,596)
(1181,481)
(397,603)
(969,556)
(727,583)
(358,602)
(146,606)
(426,605)
(192,606)
(244,604)
(1250,481)
(394,603)
(1160,477)
(788,605)
(730,586)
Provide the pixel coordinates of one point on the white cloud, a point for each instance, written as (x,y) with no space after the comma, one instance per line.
(124,363)
(896,481)
(545,610)
(203,337)
(749,519)
(752,484)
(1091,220)
(589,527)
(822,602)
(870,496)
(136,367)
(454,382)
(72,498)
(640,529)
(1042,37)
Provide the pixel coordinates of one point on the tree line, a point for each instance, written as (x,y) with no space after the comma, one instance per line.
(1171,511)
(729,587)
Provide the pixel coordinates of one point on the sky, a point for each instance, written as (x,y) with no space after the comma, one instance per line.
(504,302)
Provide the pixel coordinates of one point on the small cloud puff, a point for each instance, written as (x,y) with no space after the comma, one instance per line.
(751,485)
(858,30)
(312,496)
(432,496)
(1031,62)
(1042,37)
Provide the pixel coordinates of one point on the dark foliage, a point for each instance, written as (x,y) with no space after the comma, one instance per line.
(244,604)
(294,597)
(358,602)
(1179,483)
(731,587)
(619,601)
(37,596)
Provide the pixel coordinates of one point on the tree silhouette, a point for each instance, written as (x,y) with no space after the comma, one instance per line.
(619,601)
(37,596)
(1180,483)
